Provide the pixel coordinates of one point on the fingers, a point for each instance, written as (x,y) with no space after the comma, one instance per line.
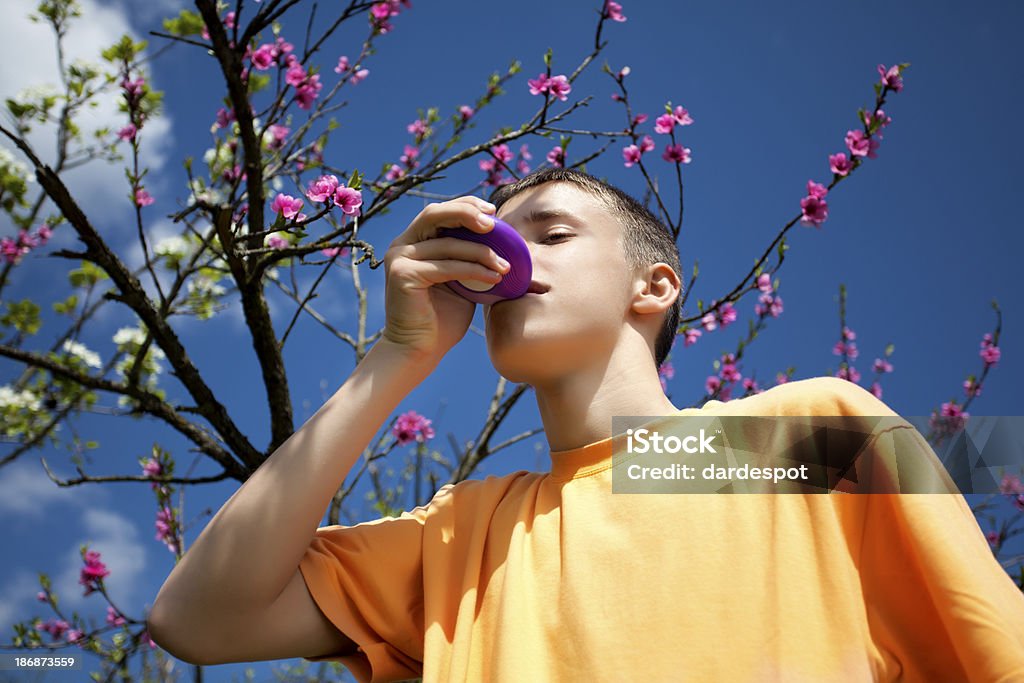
(469,212)
(454,248)
(420,274)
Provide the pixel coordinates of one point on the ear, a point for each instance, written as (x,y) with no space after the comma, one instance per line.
(656,288)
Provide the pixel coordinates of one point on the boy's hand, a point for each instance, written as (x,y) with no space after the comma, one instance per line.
(422,319)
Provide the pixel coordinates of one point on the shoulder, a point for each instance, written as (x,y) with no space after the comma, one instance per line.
(823,395)
(491,489)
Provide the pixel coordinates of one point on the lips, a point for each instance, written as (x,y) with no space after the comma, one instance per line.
(537,287)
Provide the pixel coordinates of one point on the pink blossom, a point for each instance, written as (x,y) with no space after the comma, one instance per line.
(712,384)
(264,56)
(41,596)
(881,117)
(93,572)
(850,349)
(336,251)
(55,627)
(282,46)
(664,124)
(665,372)
(638,119)
(286,204)
(395,172)
(409,156)
(857,143)
(726,314)
(815,210)
(729,373)
(128,132)
(613,11)
(524,151)
(986,340)
(681,116)
(646,144)
(358,76)
(623,72)
(322,188)
(749,384)
(781,378)
(891,78)
(12,253)
(764,282)
(538,85)
(349,200)
(709,322)
(848,333)
(559,87)
(768,304)
(556,157)
(676,153)
(882,365)
(342,64)
(295,75)
(502,153)
(556,85)
(133,89)
(309,91)
(417,127)
(816,190)
(876,389)
(278,135)
(1011,485)
(44,232)
(631,155)
(466,112)
(839,164)
(143,198)
(224,117)
(411,426)
(971,387)
(114,618)
(692,334)
(990,355)
(276,242)
(849,373)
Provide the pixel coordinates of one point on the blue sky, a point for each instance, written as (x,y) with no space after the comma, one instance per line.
(924,237)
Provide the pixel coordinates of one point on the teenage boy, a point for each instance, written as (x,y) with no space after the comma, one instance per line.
(548,576)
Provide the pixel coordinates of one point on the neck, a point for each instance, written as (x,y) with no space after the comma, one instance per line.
(577,407)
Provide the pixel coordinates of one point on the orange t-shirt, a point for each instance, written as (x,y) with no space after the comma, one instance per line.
(550,577)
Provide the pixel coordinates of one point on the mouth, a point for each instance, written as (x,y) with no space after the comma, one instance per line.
(537,288)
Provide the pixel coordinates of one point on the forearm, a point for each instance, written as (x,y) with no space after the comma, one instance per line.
(250,549)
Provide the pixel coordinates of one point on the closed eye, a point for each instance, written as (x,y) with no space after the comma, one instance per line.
(557,235)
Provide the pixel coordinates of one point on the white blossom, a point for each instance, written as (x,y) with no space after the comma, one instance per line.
(204,285)
(175,245)
(9,398)
(90,358)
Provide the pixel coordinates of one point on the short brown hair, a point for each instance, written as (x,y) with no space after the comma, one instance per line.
(645,239)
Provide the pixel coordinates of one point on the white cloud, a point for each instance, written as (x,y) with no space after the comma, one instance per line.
(28,58)
(116,538)
(25,490)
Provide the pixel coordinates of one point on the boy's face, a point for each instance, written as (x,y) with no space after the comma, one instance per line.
(578,259)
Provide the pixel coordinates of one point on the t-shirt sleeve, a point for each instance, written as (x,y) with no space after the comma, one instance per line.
(367,579)
(939,604)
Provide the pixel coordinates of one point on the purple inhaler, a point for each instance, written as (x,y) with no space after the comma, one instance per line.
(509,245)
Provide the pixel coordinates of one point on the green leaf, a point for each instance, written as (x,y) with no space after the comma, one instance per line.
(187,23)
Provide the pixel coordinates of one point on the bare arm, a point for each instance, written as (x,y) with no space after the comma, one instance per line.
(241,575)
(237,594)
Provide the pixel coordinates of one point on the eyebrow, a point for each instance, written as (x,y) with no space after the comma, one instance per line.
(541,215)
